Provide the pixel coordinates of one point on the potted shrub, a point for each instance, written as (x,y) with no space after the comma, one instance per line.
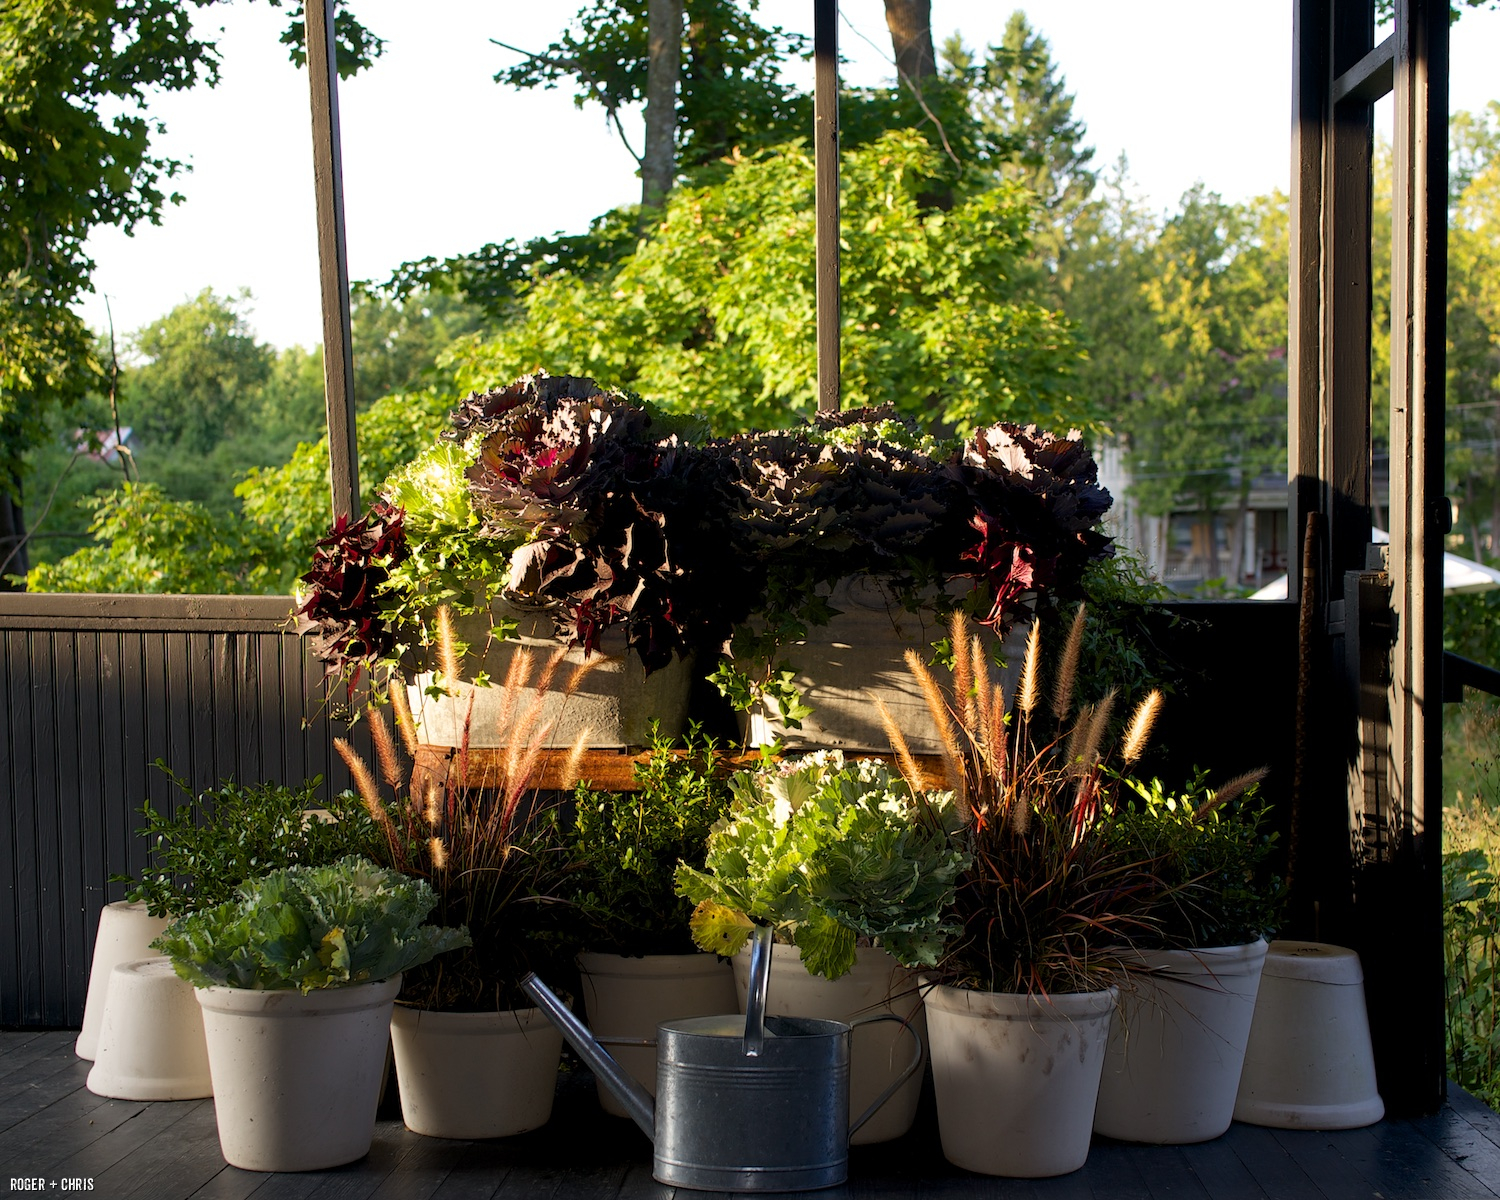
(865,535)
(1019,1005)
(473,1058)
(204,848)
(295,976)
(550,512)
(1172,1070)
(853,869)
(639,966)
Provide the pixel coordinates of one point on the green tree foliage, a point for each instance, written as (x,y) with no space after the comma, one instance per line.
(715,312)
(731,94)
(144,541)
(74,155)
(201,375)
(286,508)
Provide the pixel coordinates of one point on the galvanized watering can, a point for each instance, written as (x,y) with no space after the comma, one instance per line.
(743,1104)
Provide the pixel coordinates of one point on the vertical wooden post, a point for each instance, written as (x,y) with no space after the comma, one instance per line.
(1345,417)
(333,263)
(826,151)
(1419,519)
(1310,87)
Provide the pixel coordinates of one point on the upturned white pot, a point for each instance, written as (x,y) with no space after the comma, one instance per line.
(297,1078)
(1017,1077)
(878,1053)
(1178,1043)
(475,1075)
(612,698)
(860,654)
(126,931)
(629,997)
(1309,1063)
(151,1044)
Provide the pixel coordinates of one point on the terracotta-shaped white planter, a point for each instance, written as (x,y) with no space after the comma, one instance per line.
(1017,1078)
(859,654)
(878,1053)
(1178,1043)
(475,1075)
(297,1078)
(1309,1063)
(615,700)
(126,931)
(151,1044)
(629,997)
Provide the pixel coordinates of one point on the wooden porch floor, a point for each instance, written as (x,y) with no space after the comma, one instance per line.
(52,1128)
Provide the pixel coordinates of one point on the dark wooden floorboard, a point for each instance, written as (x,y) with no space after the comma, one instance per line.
(1269,1164)
(51,1126)
(1485,1122)
(1220,1172)
(1464,1144)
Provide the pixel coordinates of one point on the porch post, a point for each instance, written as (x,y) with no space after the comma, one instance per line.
(826,151)
(1415,1067)
(333,267)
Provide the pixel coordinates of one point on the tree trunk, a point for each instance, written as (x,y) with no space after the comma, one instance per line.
(663,69)
(910,23)
(12,535)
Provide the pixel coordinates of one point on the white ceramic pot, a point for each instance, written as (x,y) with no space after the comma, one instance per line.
(297,1078)
(629,997)
(878,1053)
(860,653)
(475,1075)
(151,1044)
(1178,1043)
(614,701)
(1309,1063)
(126,931)
(1017,1077)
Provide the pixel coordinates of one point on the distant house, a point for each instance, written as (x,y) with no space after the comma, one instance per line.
(1188,548)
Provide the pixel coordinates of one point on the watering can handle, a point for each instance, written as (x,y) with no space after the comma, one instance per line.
(911,1067)
(760,985)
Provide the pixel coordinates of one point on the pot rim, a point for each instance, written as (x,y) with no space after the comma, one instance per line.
(289,1002)
(1056,1006)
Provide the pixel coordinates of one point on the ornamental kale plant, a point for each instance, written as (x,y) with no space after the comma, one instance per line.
(624,847)
(624,522)
(217,839)
(310,927)
(1208,849)
(1013,511)
(828,852)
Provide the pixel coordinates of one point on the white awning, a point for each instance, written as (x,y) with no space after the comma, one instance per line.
(1459,575)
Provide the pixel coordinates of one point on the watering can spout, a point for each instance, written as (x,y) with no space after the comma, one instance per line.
(636,1099)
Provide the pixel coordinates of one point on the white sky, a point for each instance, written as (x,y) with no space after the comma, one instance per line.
(439,160)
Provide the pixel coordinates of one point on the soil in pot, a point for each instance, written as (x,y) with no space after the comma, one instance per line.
(1017,1078)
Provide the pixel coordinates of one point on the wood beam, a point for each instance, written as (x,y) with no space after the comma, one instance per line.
(1371,78)
(826,152)
(333,260)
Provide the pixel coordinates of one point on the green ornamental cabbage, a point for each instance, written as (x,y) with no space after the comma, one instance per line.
(829,851)
(310,927)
